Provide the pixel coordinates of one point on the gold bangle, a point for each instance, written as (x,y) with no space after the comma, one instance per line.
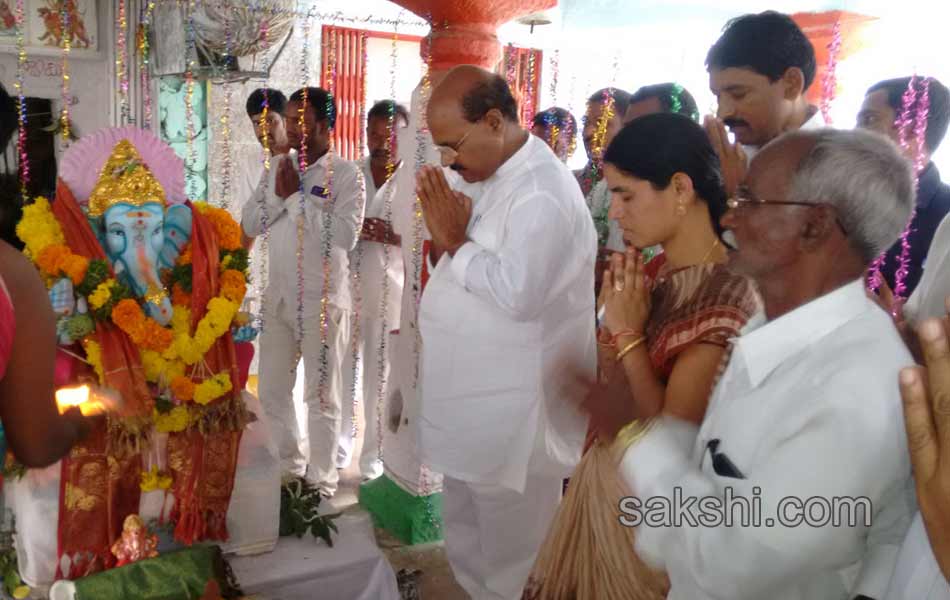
(626,350)
(634,431)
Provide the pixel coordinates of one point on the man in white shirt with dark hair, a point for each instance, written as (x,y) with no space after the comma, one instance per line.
(808,410)
(324,223)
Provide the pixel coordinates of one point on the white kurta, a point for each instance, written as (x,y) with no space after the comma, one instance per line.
(506,324)
(334,191)
(808,407)
(506,328)
(378,315)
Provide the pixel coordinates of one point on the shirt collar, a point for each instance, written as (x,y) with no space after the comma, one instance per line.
(765,345)
(816,121)
(518,159)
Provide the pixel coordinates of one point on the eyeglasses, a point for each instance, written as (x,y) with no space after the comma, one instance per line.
(451,153)
(745,199)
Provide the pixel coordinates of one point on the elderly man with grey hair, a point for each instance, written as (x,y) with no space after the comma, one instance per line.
(796,485)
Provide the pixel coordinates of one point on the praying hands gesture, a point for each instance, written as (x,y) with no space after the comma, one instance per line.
(287,179)
(926,395)
(732,158)
(446,211)
(625,296)
(380,231)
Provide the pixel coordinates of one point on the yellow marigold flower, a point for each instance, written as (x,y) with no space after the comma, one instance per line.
(213,388)
(101,295)
(94,356)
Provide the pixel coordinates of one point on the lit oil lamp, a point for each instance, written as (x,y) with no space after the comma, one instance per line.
(89,402)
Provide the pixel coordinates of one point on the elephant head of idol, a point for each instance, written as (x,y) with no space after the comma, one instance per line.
(135,206)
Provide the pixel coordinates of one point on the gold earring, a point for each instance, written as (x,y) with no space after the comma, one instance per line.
(681,210)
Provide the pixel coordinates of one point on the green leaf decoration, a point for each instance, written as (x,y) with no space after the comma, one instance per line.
(299,512)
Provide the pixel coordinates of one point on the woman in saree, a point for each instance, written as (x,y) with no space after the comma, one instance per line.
(664,338)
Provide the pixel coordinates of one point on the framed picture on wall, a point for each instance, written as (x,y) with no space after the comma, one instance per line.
(49,23)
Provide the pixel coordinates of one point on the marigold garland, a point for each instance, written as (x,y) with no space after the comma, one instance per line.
(144,331)
(102,294)
(94,357)
(213,388)
(153,479)
(175,420)
(38,228)
(183,388)
(226,228)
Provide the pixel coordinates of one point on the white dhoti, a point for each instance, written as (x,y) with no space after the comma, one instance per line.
(278,372)
(492,533)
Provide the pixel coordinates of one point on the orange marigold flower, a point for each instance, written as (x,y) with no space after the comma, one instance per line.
(180,297)
(225,227)
(75,267)
(127,314)
(51,259)
(232,285)
(183,388)
(156,338)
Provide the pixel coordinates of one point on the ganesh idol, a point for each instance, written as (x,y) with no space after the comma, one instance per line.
(147,288)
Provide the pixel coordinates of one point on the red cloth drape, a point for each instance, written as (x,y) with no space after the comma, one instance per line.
(99,484)
(204,466)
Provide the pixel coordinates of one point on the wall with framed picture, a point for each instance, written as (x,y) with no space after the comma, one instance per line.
(49,23)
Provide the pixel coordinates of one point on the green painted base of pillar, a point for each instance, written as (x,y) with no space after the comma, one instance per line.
(411,519)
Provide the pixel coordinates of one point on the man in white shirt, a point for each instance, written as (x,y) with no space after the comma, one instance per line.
(270,129)
(310,238)
(379,260)
(806,420)
(506,311)
(759,71)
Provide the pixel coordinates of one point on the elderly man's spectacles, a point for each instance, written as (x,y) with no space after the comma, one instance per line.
(451,153)
(744,199)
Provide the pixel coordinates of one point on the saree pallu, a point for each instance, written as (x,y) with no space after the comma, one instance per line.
(589,554)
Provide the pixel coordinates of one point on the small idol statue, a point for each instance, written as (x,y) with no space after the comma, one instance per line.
(136,542)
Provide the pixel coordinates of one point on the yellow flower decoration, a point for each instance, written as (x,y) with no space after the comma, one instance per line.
(213,388)
(153,479)
(38,228)
(102,294)
(94,356)
(175,420)
(158,370)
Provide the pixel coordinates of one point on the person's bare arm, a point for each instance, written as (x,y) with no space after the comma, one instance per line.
(926,395)
(37,434)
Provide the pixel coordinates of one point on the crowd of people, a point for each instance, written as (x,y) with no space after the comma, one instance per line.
(706,310)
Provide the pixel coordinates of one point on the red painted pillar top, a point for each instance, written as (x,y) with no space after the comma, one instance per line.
(463,31)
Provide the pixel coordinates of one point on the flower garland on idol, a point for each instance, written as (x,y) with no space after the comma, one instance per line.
(173,356)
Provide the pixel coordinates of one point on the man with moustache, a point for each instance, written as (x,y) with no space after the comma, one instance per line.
(329,210)
(505,317)
(759,71)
